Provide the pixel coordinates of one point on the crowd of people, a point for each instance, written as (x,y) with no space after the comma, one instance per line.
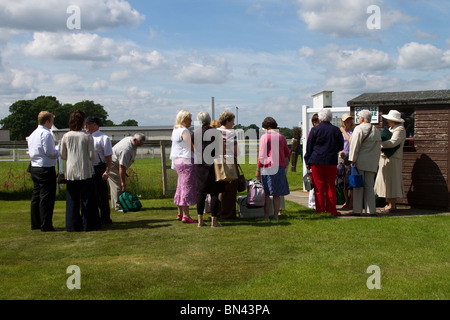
(332,153)
(92,162)
(192,156)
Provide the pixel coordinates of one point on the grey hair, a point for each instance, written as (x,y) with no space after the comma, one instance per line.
(204,118)
(366,115)
(325,115)
(139,137)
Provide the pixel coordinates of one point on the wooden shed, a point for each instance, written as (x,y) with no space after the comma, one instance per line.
(426,161)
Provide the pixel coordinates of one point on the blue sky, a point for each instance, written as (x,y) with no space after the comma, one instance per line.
(145,60)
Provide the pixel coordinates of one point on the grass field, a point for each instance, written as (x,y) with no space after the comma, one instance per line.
(150,255)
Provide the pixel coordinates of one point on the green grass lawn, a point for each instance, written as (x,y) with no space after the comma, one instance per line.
(150,255)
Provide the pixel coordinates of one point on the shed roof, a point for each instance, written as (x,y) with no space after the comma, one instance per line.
(401,98)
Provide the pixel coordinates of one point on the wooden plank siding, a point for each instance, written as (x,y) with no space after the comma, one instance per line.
(426,165)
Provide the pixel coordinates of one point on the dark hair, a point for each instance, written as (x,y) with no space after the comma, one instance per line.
(95,120)
(315,118)
(269,123)
(76,120)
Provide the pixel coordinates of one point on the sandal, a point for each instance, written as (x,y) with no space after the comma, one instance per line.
(388,210)
(179,217)
(188,220)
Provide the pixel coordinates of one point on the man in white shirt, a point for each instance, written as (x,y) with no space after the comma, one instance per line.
(102,166)
(43,155)
(123,156)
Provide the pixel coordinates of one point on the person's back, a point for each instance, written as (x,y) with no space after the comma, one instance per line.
(78,149)
(124,152)
(324,142)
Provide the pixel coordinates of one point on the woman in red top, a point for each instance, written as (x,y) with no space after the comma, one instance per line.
(272,162)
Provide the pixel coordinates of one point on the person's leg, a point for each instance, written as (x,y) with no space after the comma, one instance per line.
(35,200)
(102,195)
(47,197)
(330,180)
(276,206)
(201,199)
(266,206)
(115,188)
(214,210)
(369,194)
(319,187)
(73,218)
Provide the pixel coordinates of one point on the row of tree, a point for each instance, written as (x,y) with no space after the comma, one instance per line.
(23,115)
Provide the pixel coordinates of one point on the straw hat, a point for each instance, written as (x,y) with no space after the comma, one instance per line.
(394,115)
(346,116)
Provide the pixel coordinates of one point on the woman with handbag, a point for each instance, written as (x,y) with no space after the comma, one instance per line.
(389,182)
(204,138)
(227,198)
(273,159)
(363,155)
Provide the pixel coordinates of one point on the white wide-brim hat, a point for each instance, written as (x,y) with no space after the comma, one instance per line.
(394,115)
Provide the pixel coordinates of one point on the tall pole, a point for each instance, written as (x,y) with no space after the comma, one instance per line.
(212,109)
(237,115)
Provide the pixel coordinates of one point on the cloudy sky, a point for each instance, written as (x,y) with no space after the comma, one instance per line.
(147,59)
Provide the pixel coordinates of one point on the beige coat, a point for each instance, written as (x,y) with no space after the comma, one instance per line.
(389,181)
(365,153)
(77,148)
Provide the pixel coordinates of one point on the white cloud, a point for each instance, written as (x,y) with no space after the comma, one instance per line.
(51,15)
(204,69)
(71,46)
(342,18)
(343,62)
(361,60)
(418,56)
(100,85)
(120,75)
(68,82)
(305,51)
(144,61)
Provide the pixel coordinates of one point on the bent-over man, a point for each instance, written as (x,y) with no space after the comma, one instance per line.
(124,153)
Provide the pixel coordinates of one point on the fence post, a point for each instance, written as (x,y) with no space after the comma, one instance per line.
(163,166)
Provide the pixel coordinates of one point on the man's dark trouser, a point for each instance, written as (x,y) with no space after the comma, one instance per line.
(103,193)
(43,197)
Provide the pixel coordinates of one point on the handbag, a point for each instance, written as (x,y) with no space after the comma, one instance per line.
(307,181)
(224,171)
(242,182)
(356,180)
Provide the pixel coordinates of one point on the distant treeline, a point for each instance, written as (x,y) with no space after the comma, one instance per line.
(23,115)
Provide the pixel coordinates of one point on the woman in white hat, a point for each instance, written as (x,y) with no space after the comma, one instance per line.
(389,181)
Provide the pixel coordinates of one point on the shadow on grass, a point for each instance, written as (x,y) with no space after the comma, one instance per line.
(135,224)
